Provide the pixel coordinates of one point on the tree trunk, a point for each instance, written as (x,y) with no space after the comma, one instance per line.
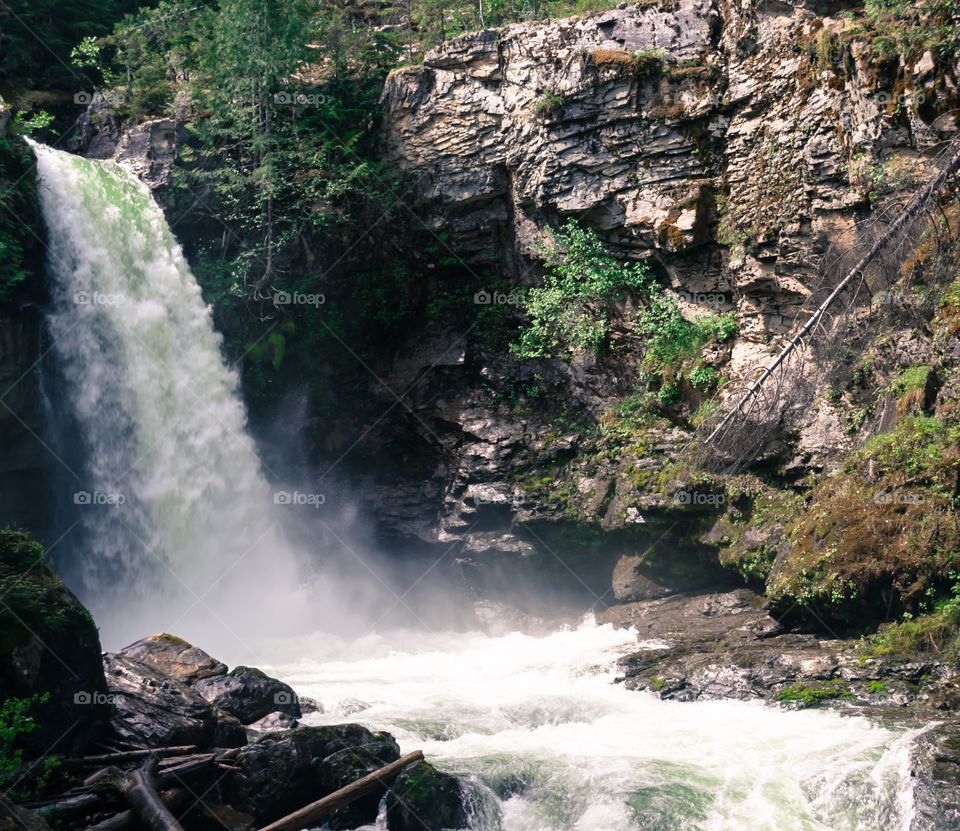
(139,790)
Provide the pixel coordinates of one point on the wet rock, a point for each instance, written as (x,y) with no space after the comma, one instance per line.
(629,584)
(935,772)
(424,799)
(174,657)
(280,773)
(228,730)
(248,694)
(50,647)
(271,723)
(346,766)
(152,710)
(310,705)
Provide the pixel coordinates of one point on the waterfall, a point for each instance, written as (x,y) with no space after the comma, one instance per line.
(178,522)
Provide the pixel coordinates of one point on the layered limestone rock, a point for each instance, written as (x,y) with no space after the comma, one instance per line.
(722,140)
(729,144)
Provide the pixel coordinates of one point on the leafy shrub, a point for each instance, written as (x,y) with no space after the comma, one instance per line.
(569,313)
(16,721)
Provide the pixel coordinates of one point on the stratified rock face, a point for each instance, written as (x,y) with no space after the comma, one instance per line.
(709,135)
(49,646)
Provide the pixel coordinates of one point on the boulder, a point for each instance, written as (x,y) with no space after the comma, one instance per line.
(153,710)
(50,648)
(424,799)
(174,658)
(280,773)
(346,766)
(248,694)
(272,723)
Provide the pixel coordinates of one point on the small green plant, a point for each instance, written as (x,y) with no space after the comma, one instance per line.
(16,721)
(548,102)
(704,377)
(813,694)
(28,124)
(876,687)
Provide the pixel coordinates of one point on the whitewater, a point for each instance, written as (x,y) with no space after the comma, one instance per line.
(551,742)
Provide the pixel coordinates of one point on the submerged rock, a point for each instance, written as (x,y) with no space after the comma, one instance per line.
(424,799)
(249,694)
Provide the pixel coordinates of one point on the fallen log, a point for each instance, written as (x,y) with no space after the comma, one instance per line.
(175,799)
(309,814)
(131,756)
(140,791)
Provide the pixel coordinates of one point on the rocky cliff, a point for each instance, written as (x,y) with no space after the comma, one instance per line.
(728,144)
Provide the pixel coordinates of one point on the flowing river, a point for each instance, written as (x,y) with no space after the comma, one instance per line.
(553,744)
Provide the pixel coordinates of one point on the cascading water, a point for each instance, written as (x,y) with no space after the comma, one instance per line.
(179,523)
(553,744)
(181,534)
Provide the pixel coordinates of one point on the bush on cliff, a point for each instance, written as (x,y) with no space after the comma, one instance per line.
(881,536)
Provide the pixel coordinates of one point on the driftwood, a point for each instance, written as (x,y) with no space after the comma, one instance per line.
(309,814)
(139,789)
(174,799)
(130,756)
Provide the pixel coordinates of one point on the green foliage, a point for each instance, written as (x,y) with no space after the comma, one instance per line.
(900,27)
(911,379)
(813,694)
(704,377)
(39,36)
(671,339)
(548,102)
(17,217)
(17,780)
(937,632)
(29,123)
(570,312)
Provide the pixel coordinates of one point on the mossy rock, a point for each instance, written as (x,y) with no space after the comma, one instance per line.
(345,766)
(424,799)
(48,645)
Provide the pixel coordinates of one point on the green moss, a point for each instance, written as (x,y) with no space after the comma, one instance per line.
(883,531)
(810,695)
